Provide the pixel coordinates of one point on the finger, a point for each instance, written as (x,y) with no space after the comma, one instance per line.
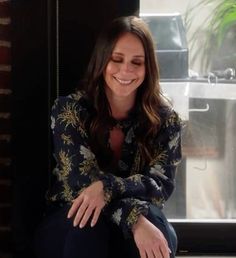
(80,213)
(87,214)
(164,248)
(157,253)
(74,207)
(166,243)
(150,254)
(142,253)
(95,217)
(164,251)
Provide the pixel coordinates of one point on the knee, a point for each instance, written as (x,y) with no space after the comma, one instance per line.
(57,237)
(87,241)
(155,212)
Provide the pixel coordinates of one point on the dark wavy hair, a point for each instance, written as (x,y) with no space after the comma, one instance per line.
(149,99)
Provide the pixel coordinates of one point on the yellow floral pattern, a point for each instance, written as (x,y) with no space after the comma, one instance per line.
(135,185)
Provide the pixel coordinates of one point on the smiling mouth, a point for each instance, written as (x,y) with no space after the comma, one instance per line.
(124,82)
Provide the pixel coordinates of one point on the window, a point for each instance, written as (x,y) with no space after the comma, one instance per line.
(199,77)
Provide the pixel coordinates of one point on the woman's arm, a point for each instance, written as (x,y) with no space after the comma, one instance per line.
(125,213)
(77,167)
(130,215)
(149,239)
(156,182)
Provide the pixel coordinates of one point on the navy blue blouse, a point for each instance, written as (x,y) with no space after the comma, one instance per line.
(129,188)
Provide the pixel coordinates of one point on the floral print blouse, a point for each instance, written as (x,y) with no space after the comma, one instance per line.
(132,186)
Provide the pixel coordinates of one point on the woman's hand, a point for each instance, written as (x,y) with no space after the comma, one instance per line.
(149,239)
(88,205)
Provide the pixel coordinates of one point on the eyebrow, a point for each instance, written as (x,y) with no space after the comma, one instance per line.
(118,53)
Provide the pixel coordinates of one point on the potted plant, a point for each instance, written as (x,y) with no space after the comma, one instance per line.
(214,39)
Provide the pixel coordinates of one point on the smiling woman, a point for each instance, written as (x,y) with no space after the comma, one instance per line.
(124,73)
(117,144)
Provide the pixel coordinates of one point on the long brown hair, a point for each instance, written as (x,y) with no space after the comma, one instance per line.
(149,99)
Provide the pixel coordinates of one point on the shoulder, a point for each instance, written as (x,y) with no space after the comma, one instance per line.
(73,109)
(77,98)
(170,120)
(74,102)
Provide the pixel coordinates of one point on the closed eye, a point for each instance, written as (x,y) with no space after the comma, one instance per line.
(116,60)
(137,63)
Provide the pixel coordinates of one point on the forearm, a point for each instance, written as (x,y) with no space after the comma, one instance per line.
(125,213)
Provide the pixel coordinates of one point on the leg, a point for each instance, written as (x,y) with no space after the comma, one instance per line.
(116,242)
(56,237)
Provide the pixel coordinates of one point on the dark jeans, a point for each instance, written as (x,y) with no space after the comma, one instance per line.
(57,238)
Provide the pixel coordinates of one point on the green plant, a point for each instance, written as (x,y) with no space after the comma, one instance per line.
(212,33)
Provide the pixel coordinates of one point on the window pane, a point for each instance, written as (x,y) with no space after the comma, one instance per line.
(202,89)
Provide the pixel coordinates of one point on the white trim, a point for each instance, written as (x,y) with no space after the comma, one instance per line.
(208,221)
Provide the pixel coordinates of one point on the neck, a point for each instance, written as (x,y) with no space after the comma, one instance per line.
(120,107)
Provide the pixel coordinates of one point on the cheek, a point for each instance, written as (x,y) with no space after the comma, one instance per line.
(108,72)
(111,69)
(142,74)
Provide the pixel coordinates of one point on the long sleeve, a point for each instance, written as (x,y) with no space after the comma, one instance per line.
(135,193)
(125,212)
(76,166)
(156,182)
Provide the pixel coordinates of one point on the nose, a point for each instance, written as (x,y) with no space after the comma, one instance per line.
(126,67)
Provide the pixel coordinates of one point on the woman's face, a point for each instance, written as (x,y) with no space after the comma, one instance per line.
(125,71)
